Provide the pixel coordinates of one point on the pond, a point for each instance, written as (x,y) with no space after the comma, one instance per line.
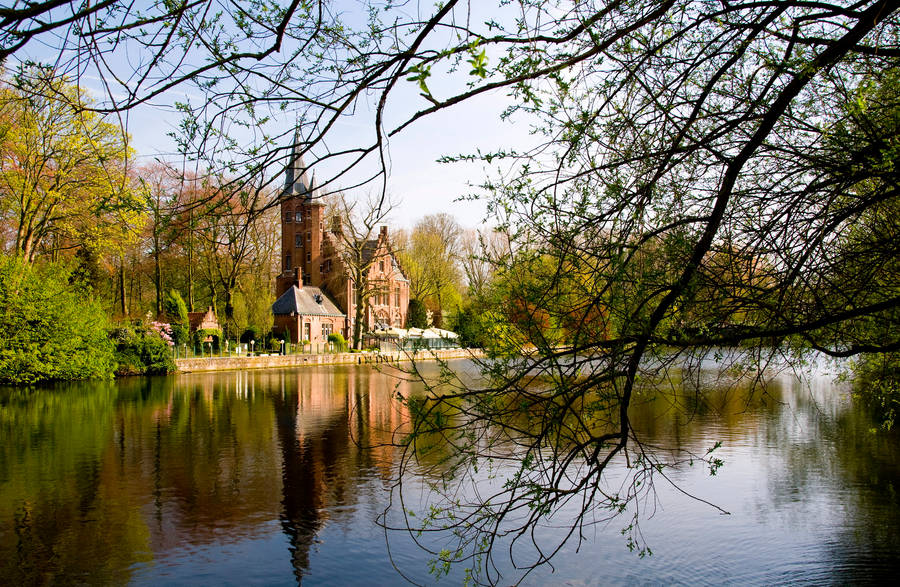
(278,477)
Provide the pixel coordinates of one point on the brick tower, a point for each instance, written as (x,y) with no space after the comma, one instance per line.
(302,228)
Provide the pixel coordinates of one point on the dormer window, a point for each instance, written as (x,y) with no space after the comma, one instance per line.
(381,266)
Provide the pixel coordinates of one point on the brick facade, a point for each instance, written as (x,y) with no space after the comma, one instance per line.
(309,252)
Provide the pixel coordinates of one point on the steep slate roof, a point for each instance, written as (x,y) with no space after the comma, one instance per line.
(303,301)
(296,181)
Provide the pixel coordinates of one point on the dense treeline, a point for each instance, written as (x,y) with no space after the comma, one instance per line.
(121,239)
(90,242)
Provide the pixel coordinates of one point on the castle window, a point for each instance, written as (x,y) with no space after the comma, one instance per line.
(287,261)
(308,236)
(308,256)
(298,240)
(288,215)
(397,296)
(381,266)
(298,217)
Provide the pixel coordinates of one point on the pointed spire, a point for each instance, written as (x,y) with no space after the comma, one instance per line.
(313,189)
(296,182)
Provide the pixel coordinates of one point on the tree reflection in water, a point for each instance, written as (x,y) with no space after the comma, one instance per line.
(268,476)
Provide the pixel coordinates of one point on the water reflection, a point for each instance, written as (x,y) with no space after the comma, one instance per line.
(97,479)
(276,477)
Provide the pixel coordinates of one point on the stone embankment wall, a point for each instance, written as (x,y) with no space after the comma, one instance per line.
(278,361)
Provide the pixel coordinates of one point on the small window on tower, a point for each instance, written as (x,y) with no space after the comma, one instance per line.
(287,261)
(381,266)
(298,240)
(288,215)
(308,236)
(308,256)
(298,217)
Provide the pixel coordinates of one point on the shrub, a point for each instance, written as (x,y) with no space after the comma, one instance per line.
(467,325)
(877,382)
(50,328)
(272,341)
(338,340)
(252,333)
(416,315)
(177,314)
(142,351)
(201,334)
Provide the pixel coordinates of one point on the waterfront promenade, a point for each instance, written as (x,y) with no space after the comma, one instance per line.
(275,361)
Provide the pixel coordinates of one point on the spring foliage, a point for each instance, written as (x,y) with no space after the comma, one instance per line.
(50,327)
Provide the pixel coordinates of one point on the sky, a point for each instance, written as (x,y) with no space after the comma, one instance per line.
(420,184)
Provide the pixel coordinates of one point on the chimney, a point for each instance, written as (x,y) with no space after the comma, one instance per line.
(383,232)
(297,281)
(336,227)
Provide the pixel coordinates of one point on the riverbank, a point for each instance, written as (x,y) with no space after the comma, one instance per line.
(194,365)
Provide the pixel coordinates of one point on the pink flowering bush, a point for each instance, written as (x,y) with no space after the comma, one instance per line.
(164,331)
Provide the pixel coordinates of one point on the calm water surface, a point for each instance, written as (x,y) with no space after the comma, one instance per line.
(264,477)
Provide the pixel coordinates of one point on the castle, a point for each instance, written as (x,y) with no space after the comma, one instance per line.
(315,294)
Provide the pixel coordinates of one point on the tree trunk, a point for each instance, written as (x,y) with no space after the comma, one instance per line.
(358,320)
(123,308)
(157,277)
(229,308)
(191,262)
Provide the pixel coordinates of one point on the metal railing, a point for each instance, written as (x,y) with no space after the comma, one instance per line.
(380,344)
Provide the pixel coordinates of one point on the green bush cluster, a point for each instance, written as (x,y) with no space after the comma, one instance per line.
(416,314)
(177,313)
(201,334)
(252,333)
(468,325)
(877,382)
(141,351)
(338,340)
(51,327)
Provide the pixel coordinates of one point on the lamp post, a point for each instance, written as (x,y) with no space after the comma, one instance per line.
(282,346)
(252,344)
(226,346)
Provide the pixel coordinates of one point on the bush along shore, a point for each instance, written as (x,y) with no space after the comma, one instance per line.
(53,329)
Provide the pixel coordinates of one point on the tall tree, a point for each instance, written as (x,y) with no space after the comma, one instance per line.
(160,183)
(357,240)
(430,257)
(62,168)
(226,229)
